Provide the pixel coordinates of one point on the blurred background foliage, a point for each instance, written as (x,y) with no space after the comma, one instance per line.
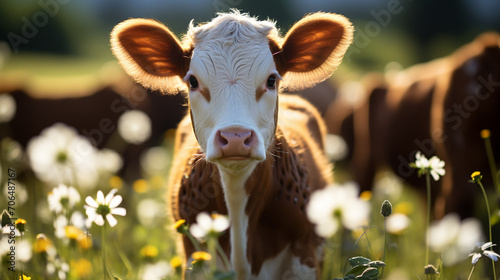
(420,31)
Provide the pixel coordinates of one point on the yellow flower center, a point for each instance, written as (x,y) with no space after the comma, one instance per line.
(179,223)
(201,256)
(73,232)
(42,243)
(140,186)
(149,251)
(485,133)
(116,182)
(476,173)
(81,268)
(366,195)
(176,262)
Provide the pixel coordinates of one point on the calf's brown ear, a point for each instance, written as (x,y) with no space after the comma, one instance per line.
(151,54)
(312,49)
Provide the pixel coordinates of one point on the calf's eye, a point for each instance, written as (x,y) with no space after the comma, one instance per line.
(193,82)
(271,82)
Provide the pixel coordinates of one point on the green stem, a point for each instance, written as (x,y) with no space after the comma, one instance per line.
(326,271)
(336,260)
(489,223)
(492,164)
(103,240)
(385,246)
(223,255)
(193,241)
(472,270)
(212,251)
(428,182)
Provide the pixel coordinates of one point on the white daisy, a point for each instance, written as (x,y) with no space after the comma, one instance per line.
(108,161)
(63,198)
(397,223)
(434,166)
(484,252)
(104,207)
(159,270)
(337,204)
(60,155)
(454,238)
(7,107)
(207,225)
(134,126)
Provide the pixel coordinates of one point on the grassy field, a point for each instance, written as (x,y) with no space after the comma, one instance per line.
(59,237)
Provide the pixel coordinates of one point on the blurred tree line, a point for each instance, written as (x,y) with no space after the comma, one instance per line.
(73,27)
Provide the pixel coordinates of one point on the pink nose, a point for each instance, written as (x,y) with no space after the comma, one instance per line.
(236,143)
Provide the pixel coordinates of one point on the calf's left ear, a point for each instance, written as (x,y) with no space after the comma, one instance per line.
(151,54)
(312,49)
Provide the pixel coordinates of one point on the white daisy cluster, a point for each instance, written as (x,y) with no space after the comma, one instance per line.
(337,205)
(434,166)
(207,225)
(454,238)
(60,155)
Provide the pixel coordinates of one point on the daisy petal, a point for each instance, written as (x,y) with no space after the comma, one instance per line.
(204,221)
(100,198)
(487,245)
(110,196)
(221,224)
(99,220)
(475,257)
(434,175)
(197,231)
(120,211)
(111,220)
(91,202)
(115,201)
(492,255)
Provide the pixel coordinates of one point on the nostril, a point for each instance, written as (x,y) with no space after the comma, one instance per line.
(249,139)
(222,139)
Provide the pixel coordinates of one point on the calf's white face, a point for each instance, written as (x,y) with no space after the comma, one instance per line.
(233,85)
(232,68)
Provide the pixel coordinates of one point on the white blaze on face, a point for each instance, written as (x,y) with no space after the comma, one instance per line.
(233,88)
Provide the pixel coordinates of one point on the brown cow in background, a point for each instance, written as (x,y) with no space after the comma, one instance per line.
(89,102)
(438,108)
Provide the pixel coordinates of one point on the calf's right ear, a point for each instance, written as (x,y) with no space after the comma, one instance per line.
(151,54)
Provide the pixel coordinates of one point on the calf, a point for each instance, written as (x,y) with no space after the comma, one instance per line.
(240,151)
(438,108)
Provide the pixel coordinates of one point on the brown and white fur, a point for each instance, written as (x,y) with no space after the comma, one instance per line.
(252,156)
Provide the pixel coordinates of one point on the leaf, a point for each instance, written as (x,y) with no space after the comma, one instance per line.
(363,278)
(371,273)
(376,264)
(358,270)
(354,261)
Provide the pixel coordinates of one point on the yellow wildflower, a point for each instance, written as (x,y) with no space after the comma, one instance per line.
(176,262)
(149,251)
(140,186)
(485,133)
(116,182)
(81,268)
(201,256)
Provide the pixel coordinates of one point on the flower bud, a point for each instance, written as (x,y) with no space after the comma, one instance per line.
(386,209)
(430,270)
(6,219)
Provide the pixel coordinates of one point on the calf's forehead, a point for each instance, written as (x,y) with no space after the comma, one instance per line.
(232,47)
(246,64)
